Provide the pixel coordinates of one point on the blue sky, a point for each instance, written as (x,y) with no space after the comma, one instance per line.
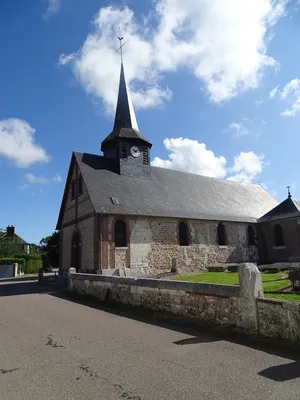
(215,85)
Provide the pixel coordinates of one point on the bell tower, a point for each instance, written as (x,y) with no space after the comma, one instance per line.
(125,143)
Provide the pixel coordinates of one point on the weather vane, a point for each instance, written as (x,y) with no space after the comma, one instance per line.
(289,193)
(121,46)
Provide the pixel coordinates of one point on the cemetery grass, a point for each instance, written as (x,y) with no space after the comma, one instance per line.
(271,282)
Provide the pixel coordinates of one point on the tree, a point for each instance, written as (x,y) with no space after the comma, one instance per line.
(50,248)
(9,247)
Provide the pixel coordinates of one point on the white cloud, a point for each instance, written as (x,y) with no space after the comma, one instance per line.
(191,156)
(292,89)
(65,58)
(32,179)
(57,178)
(17,143)
(246,167)
(238,129)
(273,92)
(222,42)
(53,8)
(245,127)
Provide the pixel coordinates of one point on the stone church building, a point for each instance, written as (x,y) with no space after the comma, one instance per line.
(118,211)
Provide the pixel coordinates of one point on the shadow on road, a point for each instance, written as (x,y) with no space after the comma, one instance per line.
(19,279)
(282,373)
(26,286)
(196,340)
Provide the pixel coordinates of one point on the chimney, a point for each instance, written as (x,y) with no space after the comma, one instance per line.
(10,231)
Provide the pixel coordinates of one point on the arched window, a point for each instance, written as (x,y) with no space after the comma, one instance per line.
(278,236)
(76,250)
(120,234)
(222,240)
(251,235)
(80,185)
(183,231)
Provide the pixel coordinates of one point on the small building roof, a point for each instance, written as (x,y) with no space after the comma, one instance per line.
(169,193)
(289,208)
(3,234)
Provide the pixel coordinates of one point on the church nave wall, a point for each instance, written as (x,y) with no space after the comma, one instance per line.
(154,242)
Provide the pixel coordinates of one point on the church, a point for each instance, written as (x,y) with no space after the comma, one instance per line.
(119,213)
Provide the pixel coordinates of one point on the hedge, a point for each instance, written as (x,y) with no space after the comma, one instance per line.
(32,266)
(32,263)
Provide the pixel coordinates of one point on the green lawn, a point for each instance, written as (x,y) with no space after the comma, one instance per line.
(283,296)
(271,282)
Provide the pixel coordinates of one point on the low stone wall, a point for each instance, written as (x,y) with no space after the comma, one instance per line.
(218,305)
(215,304)
(237,308)
(279,319)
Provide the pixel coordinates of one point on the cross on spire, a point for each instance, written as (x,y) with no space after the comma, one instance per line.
(121,47)
(289,193)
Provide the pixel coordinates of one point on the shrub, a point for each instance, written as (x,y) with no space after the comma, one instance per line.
(32,263)
(47,267)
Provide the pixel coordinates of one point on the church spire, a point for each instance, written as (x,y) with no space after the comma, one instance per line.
(125,116)
(125,125)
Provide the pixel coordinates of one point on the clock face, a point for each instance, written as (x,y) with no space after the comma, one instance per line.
(135,151)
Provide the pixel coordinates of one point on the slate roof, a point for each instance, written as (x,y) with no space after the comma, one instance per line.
(289,208)
(3,234)
(169,193)
(125,125)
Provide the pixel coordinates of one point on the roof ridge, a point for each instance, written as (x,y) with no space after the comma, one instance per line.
(209,177)
(191,173)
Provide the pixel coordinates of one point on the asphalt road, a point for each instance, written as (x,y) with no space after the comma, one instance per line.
(54,348)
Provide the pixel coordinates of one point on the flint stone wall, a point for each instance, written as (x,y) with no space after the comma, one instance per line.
(215,304)
(226,306)
(279,319)
(237,308)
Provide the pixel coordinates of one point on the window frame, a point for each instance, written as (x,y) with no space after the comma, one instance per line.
(251,236)
(223,233)
(278,236)
(76,250)
(120,243)
(184,240)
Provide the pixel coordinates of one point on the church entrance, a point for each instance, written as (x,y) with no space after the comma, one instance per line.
(76,251)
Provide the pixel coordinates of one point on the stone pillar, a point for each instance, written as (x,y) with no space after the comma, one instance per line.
(15,270)
(70,280)
(40,275)
(250,288)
